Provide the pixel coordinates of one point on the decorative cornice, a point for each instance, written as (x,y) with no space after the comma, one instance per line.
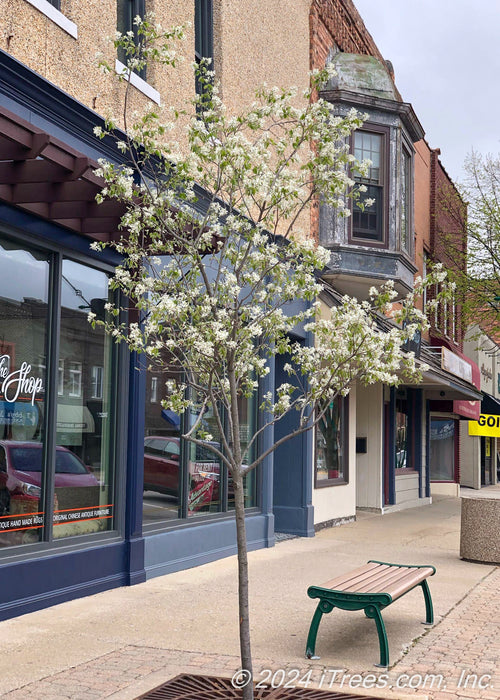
(403,109)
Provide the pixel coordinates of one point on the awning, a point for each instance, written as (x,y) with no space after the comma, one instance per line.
(74,419)
(171,417)
(490,406)
(453,388)
(45,176)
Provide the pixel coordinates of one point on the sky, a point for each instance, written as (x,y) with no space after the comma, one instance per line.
(446,58)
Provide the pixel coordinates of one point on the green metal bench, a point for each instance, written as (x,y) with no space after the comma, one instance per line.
(371,588)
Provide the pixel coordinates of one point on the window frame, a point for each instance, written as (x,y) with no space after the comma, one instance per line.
(344,479)
(203,36)
(406,175)
(56,250)
(384,133)
(138,8)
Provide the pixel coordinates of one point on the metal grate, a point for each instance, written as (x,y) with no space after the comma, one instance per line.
(188,687)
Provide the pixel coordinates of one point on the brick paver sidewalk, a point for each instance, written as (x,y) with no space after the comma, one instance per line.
(464,648)
(458,658)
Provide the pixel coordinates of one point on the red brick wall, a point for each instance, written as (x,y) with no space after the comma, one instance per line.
(338,23)
(448,237)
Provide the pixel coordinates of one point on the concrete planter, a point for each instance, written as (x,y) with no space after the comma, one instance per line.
(480,530)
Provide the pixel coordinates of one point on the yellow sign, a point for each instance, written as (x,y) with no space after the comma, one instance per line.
(487,426)
(488,447)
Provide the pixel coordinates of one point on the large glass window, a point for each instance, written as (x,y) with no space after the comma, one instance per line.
(402,445)
(56,475)
(24,322)
(126,12)
(203,35)
(183,480)
(406,228)
(368,220)
(442,451)
(84,413)
(331,445)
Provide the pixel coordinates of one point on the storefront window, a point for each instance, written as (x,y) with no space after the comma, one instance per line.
(71,455)
(184,480)
(331,445)
(442,450)
(402,456)
(24,293)
(83,466)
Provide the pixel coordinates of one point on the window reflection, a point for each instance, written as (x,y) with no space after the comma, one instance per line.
(331,443)
(163,483)
(24,277)
(183,480)
(83,480)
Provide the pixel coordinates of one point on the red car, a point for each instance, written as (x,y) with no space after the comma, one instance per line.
(21,471)
(162,469)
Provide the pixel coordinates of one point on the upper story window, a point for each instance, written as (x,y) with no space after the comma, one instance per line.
(126,12)
(406,201)
(203,35)
(368,222)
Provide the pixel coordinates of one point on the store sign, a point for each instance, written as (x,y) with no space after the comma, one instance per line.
(486,426)
(456,365)
(20,414)
(18,384)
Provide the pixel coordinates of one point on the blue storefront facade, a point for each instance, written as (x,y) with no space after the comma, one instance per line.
(78,421)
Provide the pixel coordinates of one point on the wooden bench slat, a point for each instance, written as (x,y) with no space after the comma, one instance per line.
(383,579)
(354,575)
(408,582)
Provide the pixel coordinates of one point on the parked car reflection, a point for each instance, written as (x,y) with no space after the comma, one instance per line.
(21,473)
(162,470)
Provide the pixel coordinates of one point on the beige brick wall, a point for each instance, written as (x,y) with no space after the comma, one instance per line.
(72,64)
(254,41)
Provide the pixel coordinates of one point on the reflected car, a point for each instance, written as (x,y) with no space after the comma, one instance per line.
(162,465)
(21,472)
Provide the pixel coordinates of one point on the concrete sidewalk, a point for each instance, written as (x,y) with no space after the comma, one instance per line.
(121,643)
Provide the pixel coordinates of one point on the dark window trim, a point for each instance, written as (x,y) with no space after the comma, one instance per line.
(407,148)
(341,480)
(138,7)
(204,39)
(384,131)
(204,14)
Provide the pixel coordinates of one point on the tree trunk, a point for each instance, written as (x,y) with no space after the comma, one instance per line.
(243,604)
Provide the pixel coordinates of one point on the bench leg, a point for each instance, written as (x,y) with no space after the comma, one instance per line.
(323,607)
(373,612)
(429,612)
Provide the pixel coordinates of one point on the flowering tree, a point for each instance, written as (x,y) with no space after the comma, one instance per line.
(213,259)
(471,239)
(481,190)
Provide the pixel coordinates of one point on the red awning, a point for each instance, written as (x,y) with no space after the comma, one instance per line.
(45,176)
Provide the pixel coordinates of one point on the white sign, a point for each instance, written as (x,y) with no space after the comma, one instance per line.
(454,364)
(19,383)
